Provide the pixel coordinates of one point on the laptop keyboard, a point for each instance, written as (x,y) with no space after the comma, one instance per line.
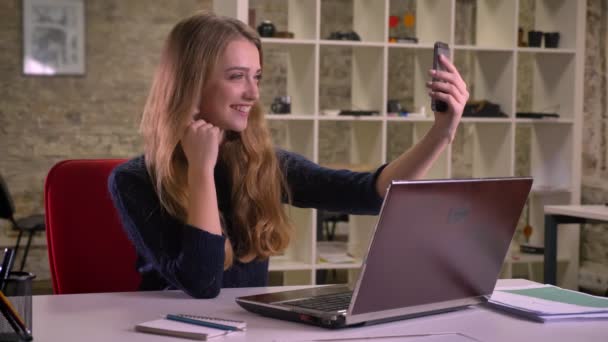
(330,302)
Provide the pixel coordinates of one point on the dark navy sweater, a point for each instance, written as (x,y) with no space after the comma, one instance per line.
(175,255)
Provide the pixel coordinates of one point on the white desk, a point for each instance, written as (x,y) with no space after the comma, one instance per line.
(111,317)
(562,214)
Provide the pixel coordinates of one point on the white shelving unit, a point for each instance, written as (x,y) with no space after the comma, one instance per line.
(492,63)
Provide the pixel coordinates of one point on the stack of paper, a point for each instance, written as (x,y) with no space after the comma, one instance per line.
(549,303)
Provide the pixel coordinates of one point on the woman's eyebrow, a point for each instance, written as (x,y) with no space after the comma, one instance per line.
(240,68)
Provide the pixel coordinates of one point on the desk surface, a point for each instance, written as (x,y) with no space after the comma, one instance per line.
(594,212)
(111,317)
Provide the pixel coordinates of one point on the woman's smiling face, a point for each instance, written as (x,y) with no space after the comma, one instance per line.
(233,87)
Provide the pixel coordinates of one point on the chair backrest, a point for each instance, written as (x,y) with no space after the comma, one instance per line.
(88,249)
(7,207)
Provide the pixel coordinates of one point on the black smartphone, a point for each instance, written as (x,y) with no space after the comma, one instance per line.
(440,48)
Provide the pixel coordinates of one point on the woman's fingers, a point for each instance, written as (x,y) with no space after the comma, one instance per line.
(448,88)
(450,75)
(450,78)
(448,98)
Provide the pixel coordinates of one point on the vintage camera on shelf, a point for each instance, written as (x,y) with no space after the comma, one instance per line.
(281,105)
(339,35)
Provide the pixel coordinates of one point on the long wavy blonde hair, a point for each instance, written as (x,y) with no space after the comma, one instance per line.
(260,227)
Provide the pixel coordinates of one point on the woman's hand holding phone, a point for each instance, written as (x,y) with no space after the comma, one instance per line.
(447,86)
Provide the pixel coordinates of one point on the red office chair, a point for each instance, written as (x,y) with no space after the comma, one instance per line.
(88,249)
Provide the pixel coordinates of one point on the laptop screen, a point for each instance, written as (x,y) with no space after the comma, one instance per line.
(439,241)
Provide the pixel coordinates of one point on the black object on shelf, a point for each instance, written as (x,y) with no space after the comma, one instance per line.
(531,249)
(348,35)
(266,29)
(281,105)
(483,109)
(358,112)
(535,38)
(534,115)
(403,39)
(551,39)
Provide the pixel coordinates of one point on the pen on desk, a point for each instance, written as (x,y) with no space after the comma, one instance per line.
(201,323)
(7,264)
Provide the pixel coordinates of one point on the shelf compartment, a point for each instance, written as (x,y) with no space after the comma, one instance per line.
(554,16)
(292,135)
(551,156)
(292,73)
(494,24)
(361,229)
(407,77)
(365,17)
(427,14)
(354,143)
(482,150)
(544,152)
(490,78)
(298,254)
(296,16)
(551,77)
(361,89)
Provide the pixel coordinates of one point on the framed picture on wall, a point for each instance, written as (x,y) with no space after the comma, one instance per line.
(53,37)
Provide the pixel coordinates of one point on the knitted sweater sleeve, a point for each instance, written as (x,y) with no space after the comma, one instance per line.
(314,186)
(188,258)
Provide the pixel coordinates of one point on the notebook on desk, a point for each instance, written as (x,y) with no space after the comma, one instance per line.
(438,246)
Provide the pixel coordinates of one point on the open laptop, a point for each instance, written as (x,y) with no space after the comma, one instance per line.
(438,246)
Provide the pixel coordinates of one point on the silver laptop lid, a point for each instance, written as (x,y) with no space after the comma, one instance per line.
(438,244)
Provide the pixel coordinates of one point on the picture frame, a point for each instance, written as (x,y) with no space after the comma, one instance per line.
(53,37)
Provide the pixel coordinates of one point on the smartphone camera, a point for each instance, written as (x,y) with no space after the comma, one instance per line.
(440,48)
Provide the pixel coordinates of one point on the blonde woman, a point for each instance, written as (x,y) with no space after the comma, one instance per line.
(203,205)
